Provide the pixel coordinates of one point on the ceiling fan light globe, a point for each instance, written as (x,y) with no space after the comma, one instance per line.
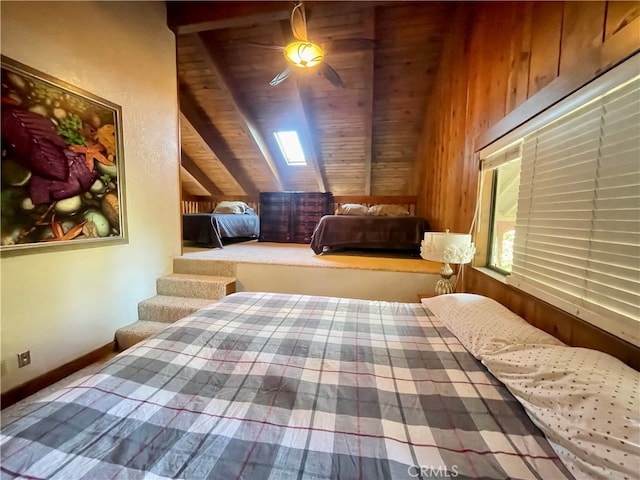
(303,54)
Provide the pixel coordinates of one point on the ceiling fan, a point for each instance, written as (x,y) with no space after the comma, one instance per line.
(304,54)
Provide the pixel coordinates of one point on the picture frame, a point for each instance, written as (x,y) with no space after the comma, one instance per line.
(62,182)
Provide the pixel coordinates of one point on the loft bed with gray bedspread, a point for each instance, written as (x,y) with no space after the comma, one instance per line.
(228,220)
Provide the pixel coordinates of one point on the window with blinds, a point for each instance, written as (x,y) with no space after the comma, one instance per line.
(577,224)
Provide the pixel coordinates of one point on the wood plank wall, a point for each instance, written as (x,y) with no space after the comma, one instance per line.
(503,63)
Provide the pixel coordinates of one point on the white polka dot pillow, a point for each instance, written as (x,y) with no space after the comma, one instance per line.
(484,326)
(586,402)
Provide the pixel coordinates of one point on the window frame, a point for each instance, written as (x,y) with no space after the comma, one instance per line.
(490,166)
(285,147)
(492,224)
(615,78)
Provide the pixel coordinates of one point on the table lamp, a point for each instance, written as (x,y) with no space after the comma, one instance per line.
(447,248)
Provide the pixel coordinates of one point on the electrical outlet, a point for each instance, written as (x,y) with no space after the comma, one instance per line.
(24,359)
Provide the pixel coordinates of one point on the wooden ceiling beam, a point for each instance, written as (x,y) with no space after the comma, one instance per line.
(197,16)
(213,62)
(193,17)
(198,175)
(309,135)
(211,138)
(190,184)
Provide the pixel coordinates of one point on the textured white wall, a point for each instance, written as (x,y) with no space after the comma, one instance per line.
(61,305)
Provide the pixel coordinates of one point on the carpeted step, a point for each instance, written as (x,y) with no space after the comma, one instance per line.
(135,332)
(168,309)
(195,286)
(198,266)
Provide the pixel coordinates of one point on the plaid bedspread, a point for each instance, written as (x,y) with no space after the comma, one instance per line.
(269,386)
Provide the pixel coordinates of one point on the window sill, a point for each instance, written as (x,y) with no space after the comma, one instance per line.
(492,273)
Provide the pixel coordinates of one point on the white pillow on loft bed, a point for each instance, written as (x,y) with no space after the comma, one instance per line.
(351,209)
(231,207)
(387,210)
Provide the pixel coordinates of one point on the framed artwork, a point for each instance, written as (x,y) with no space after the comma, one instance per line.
(62,175)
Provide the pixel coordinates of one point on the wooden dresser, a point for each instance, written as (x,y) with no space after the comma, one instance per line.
(290,217)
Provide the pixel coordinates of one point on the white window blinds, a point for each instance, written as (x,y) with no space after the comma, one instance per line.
(577,241)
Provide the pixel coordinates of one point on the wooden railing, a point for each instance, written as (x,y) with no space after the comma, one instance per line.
(207,206)
(407,201)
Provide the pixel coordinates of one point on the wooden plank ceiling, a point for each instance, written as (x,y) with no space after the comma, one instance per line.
(360,139)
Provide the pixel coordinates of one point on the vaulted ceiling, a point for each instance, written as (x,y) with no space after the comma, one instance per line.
(361,139)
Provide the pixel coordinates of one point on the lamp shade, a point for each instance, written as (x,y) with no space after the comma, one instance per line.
(447,247)
(304,54)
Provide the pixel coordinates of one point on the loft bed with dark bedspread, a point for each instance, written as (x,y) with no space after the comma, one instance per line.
(370,222)
(335,232)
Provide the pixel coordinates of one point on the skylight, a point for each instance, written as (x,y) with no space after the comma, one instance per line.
(290,147)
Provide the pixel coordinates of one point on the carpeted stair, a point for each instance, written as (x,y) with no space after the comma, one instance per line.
(194,284)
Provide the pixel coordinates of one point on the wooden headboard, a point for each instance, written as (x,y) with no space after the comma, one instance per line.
(407,201)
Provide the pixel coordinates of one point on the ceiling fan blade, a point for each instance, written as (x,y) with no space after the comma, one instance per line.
(299,22)
(281,77)
(348,44)
(331,75)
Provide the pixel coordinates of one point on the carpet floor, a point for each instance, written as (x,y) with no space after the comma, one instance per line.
(302,255)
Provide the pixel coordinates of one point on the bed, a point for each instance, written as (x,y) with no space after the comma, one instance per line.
(262,385)
(225,222)
(339,232)
(365,222)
